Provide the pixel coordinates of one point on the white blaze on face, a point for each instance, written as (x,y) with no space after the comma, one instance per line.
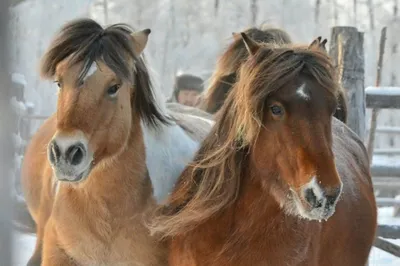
(91,71)
(303,93)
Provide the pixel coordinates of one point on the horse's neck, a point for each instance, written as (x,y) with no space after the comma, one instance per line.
(257,201)
(168,150)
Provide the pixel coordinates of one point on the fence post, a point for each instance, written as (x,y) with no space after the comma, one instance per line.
(347,52)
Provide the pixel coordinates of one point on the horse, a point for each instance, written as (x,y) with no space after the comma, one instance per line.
(96,168)
(228,64)
(278,180)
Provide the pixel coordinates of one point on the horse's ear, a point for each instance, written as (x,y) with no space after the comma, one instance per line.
(317,44)
(251,46)
(323,43)
(236,36)
(140,40)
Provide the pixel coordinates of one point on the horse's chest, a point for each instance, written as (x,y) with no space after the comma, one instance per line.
(274,245)
(120,246)
(107,241)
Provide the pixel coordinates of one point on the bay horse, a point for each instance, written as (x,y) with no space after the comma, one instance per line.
(279,180)
(96,167)
(235,55)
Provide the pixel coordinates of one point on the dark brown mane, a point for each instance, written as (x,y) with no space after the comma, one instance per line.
(84,40)
(212,182)
(228,64)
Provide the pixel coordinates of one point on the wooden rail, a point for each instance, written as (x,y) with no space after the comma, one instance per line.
(387,202)
(389,151)
(387,246)
(388,231)
(388,130)
(383,97)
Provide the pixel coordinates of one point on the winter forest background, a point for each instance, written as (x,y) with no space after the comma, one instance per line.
(189,35)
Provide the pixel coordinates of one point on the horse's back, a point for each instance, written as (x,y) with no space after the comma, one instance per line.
(36,171)
(195,122)
(350,232)
(172,147)
(183,109)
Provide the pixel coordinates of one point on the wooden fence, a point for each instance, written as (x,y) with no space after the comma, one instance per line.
(386,98)
(347,52)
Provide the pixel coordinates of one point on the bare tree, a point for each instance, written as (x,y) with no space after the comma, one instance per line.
(317,11)
(355,13)
(167,39)
(371,15)
(375,111)
(316,14)
(15,2)
(335,12)
(105,10)
(253,8)
(7,150)
(216,7)
(283,19)
(394,45)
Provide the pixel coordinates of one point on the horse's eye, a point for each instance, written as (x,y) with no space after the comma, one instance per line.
(276,110)
(58,84)
(112,91)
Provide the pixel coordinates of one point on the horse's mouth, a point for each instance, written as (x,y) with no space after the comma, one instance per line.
(72,178)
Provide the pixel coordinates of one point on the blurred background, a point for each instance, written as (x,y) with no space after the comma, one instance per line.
(187,37)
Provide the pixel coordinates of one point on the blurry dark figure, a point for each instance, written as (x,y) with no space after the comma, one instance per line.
(187,89)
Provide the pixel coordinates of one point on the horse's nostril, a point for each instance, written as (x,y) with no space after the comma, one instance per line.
(54,152)
(75,154)
(333,196)
(330,200)
(312,198)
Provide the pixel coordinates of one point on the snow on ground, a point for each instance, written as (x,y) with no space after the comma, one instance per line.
(377,256)
(23,247)
(24,244)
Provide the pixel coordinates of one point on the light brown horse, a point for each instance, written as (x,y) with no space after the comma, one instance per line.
(89,172)
(278,181)
(235,55)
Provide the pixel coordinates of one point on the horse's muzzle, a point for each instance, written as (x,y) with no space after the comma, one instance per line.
(69,157)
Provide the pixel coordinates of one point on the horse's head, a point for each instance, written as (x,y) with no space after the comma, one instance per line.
(288,95)
(104,92)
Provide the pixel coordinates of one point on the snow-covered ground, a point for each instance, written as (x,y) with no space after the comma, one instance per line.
(24,244)
(378,257)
